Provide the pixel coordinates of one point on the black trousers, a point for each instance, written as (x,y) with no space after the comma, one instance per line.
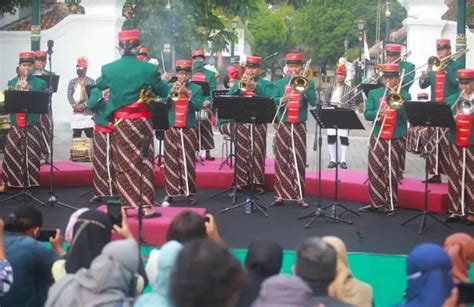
(77,133)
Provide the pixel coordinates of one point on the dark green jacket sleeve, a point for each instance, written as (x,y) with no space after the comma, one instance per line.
(310,94)
(94,99)
(372,106)
(196,98)
(451,73)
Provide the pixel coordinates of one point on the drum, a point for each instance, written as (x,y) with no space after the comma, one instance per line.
(81,150)
(201,115)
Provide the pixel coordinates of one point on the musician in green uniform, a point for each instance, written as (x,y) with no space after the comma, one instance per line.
(292,107)
(204,125)
(251,84)
(443,83)
(132,83)
(23,125)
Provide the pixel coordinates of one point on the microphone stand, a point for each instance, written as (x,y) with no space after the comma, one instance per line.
(52,200)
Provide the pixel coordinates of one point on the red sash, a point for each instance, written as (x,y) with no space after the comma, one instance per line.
(440,80)
(108,129)
(464,129)
(181,112)
(132,111)
(21,120)
(293,105)
(389,124)
(199,76)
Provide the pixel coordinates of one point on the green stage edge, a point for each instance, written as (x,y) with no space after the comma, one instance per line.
(385,273)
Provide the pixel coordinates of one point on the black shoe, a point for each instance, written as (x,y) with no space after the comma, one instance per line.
(452,218)
(151,215)
(209,158)
(389,212)
(343,165)
(433,179)
(303,205)
(368,208)
(276,203)
(332,164)
(192,201)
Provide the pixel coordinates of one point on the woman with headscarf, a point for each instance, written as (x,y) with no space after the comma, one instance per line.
(460,248)
(264,259)
(345,286)
(428,276)
(160,296)
(110,281)
(91,232)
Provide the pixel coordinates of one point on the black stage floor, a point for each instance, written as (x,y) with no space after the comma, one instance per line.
(370,232)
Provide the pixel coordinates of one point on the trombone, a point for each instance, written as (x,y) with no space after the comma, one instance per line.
(394,101)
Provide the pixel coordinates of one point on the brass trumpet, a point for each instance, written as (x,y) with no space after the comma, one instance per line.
(465,106)
(300,82)
(177,89)
(247,83)
(436,64)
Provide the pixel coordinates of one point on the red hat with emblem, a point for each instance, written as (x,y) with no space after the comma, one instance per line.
(131,34)
(197,52)
(422,96)
(466,74)
(82,62)
(341,70)
(253,61)
(391,69)
(143,50)
(39,54)
(184,65)
(443,43)
(294,58)
(393,48)
(27,56)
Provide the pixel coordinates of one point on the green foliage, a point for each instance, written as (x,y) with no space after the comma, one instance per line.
(187,24)
(10,6)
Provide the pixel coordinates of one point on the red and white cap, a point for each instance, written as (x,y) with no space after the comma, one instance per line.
(39,54)
(253,61)
(27,56)
(184,65)
(443,43)
(391,69)
(465,74)
(393,48)
(197,53)
(82,62)
(341,70)
(294,58)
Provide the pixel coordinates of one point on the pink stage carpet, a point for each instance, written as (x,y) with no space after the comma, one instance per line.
(351,186)
(154,229)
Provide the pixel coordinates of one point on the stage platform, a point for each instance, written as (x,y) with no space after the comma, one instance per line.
(352,186)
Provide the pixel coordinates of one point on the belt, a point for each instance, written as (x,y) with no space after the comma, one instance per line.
(132,111)
(103,129)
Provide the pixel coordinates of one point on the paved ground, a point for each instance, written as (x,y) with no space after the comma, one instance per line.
(357,155)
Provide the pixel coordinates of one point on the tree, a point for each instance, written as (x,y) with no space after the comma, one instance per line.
(187,24)
(10,6)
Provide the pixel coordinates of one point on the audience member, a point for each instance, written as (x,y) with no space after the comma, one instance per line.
(460,248)
(283,291)
(110,281)
(160,296)
(69,233)
(186,226)
(206,274)
(428,275)
(263,260)
(316,265)
(91,232)
(6,274)
(31,261)
(346,287)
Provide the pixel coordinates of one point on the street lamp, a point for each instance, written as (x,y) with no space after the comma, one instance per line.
(360,27)
(388,20)
(346,46)
(234,22)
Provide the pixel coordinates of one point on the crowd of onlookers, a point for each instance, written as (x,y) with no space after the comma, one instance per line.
(194,268)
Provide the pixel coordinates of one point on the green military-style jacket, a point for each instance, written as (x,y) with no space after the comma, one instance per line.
(451,84)
(308,98)
(195,104)
(263,88)
(36,85)
(452,132)
(125,78)
(373,102)
(96,104)
(210,78)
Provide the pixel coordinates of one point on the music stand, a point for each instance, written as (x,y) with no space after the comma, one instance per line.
(160,125)
(52,82)
(335,119)
(35,102)
(253,110)
(428,114)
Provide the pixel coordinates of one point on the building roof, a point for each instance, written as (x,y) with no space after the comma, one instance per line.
(51,15)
